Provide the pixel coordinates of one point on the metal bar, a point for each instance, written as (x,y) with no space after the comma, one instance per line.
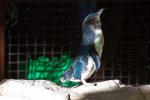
(22,1)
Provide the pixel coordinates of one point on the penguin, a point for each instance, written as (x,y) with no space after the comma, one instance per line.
(90,51)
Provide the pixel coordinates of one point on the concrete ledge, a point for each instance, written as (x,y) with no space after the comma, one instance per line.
(46,90)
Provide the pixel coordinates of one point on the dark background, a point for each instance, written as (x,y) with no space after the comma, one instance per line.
(53,28)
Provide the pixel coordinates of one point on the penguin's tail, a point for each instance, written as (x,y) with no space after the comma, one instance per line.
(66,76)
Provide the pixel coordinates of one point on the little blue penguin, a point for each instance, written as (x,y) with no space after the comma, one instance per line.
(90,51)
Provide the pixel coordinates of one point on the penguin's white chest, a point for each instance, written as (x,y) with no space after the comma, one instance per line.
(99,41)
(98,32)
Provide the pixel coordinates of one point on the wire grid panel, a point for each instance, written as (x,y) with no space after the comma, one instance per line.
(54,28)
(41,30)
(127,42)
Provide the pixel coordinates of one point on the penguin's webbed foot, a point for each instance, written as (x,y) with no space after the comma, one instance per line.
(87,84)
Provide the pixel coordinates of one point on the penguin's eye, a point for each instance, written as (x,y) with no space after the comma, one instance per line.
(92,17)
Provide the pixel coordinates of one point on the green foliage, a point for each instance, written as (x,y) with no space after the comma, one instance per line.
(44,68)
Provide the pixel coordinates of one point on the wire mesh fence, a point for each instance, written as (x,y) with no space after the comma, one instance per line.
(53,29)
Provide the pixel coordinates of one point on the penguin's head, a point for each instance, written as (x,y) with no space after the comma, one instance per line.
(93,20)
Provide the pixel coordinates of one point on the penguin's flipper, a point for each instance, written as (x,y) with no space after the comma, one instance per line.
(79,66)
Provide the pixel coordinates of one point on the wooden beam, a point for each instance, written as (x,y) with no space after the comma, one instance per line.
(2,28)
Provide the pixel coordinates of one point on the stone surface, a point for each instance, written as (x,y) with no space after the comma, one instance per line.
(46,90)
(32,90)
(145,92)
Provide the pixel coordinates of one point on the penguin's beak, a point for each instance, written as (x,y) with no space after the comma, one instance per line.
(100,11)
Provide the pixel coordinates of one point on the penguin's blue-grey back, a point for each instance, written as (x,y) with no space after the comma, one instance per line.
(77,67)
